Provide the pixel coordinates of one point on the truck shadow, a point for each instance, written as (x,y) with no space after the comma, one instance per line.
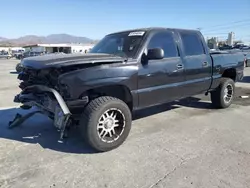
(195,102)
(150,111)
(40,130)
(192,102)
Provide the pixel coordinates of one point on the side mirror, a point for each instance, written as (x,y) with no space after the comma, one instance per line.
(155,53)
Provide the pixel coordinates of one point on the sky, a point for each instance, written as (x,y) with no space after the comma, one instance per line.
(96,18)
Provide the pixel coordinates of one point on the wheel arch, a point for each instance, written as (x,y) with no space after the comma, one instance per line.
(119,91)
(230,73)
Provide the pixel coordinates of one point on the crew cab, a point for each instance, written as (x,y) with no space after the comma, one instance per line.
(124,72)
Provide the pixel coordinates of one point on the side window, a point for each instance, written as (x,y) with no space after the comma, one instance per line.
(166,42)
(192,44)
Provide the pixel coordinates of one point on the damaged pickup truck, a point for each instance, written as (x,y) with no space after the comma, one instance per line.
(124,72)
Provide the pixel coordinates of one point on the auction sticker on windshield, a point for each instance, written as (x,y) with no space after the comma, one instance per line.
(137,33)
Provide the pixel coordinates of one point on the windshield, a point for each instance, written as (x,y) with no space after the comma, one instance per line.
(124,44)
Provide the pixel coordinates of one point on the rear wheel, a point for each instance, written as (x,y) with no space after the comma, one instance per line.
(222,97)
(106,123)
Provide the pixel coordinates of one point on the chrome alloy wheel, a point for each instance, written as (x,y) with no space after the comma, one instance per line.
(228,93)
(111,125)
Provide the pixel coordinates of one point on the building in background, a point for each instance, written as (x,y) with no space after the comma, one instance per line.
(230,39)
(17,49)
(213,43)
(227,42)
(4,49)
(54,48)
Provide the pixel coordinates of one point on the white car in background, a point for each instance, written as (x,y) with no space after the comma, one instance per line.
(5,55)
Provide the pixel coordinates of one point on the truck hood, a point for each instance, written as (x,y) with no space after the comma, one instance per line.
(62,60)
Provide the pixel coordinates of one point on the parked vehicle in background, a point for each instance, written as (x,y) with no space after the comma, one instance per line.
(5,55)
(241,46)
(246,48)
(226,47)
(28,54)
(25,55)
(124,72)
(16,53)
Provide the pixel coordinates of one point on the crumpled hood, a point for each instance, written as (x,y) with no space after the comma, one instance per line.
(61,60)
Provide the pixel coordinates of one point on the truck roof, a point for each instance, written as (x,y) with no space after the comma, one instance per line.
(153,29)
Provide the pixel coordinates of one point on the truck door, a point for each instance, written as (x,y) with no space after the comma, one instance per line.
(159,80)
(197,62)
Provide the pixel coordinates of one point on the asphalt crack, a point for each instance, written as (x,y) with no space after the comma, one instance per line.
(171,172)
(182,159)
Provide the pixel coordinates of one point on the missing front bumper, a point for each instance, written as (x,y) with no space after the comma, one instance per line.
(57,106)
(27,95)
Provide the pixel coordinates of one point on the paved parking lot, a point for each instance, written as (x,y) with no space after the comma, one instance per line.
(186,144)
(9,82)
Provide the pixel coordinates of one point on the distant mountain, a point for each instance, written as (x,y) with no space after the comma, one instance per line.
(54,38)
(65,38)
(2,39)
(28,39)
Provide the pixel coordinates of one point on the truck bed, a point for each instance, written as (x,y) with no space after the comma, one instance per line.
(225,60)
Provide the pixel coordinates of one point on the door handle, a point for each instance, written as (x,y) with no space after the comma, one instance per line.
(179,67)
(205,64)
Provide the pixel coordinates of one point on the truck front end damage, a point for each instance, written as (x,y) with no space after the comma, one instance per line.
(40,89)
(48,101)
(42,86)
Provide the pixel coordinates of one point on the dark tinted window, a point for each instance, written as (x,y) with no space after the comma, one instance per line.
(166,42)
(192,44)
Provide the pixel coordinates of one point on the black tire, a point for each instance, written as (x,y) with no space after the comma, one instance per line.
(18,68)
(217,96)
(94,112)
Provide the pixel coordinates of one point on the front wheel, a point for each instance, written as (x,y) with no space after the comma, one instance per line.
(106,123)
(18,68)
(222,97)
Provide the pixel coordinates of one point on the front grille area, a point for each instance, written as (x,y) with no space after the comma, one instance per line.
(46,77)
(31,77)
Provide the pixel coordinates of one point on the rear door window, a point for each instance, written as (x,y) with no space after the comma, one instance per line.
(192,44)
